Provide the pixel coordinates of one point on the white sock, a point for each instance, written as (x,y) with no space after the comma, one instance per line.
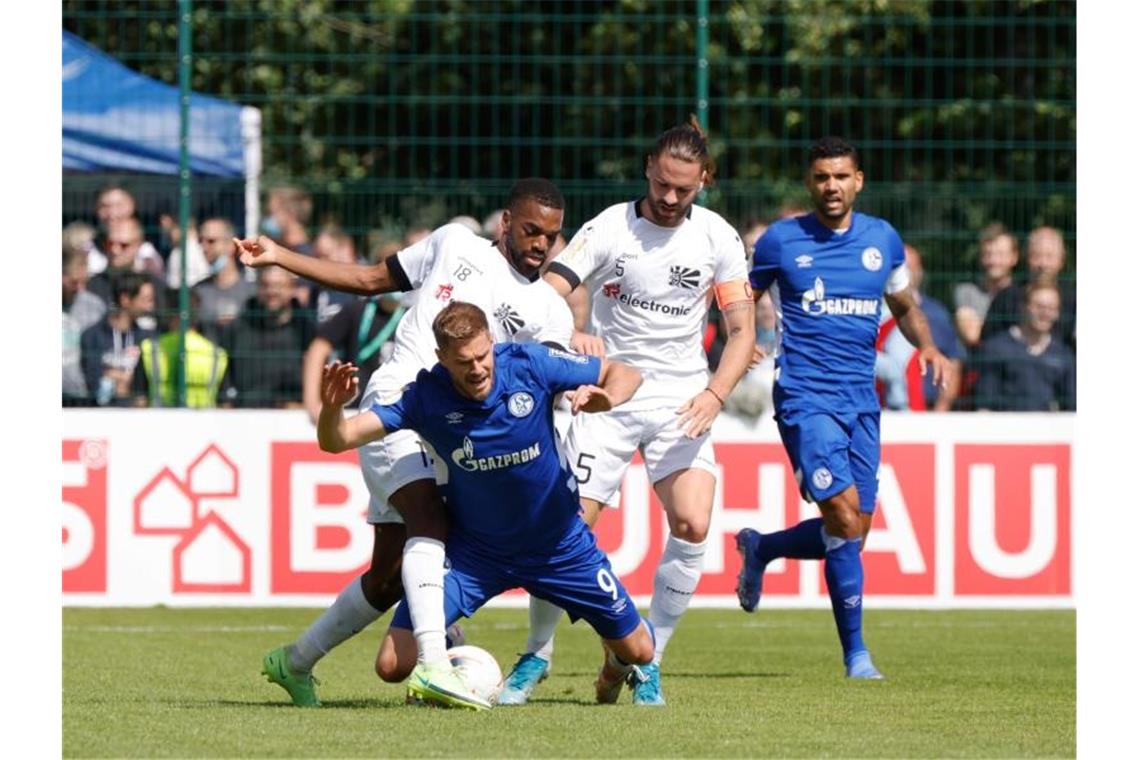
(422,574)
(678,574)
(544,619)
(349,615)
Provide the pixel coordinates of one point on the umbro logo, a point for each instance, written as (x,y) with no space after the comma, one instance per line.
(683,277)
(852,602)
(454,418)
(804,261)
(509,318)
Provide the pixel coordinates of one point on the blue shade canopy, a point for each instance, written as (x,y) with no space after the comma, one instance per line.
(116,119)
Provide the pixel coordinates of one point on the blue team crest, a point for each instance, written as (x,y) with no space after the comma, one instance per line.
(872,259)
(520,404)
(821,478)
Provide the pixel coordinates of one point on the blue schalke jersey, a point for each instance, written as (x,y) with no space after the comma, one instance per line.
(829,296)
(510,489)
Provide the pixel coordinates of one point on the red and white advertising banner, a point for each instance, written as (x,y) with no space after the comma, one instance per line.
(184,507)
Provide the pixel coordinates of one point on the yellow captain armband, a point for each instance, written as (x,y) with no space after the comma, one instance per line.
(733,291)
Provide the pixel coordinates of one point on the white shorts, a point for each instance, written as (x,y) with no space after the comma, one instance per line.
(390,464)
(600,447)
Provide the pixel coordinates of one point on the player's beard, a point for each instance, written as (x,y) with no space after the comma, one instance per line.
(519,260)
(669,216)
(832,211)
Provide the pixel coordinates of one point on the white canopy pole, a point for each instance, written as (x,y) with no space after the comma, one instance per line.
(251,141)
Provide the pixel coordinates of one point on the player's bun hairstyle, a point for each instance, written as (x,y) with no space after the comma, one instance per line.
(832,147)
(687,142)
(541,191)
(459,321)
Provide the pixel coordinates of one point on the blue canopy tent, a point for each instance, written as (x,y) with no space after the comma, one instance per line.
(116,119)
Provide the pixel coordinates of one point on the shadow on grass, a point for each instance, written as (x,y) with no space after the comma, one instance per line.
(326,704)
(667,675)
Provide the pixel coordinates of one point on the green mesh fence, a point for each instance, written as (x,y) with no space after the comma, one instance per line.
(395,114)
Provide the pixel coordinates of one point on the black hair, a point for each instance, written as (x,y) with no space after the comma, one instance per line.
(832,147)
(541,191)
(127,285)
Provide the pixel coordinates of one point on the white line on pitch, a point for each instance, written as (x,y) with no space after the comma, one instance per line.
(180,629)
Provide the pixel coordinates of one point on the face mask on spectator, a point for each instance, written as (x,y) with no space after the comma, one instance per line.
(271,227)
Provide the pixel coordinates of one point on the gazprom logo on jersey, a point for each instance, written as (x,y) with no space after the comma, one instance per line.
(816,302)
(465,457)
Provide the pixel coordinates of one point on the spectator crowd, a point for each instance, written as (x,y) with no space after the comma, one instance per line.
(258,339)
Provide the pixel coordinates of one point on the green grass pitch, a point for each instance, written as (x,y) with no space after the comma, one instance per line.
(185,682)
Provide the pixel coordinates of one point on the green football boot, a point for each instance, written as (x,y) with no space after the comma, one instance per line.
(442,685)
(302,688)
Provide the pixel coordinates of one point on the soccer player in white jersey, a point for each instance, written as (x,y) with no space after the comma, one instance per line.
(652,267)
(452,264)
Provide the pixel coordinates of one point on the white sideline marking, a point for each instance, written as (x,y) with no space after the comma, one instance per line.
(180,629)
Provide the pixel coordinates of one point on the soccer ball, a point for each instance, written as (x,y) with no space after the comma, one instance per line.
(482,672)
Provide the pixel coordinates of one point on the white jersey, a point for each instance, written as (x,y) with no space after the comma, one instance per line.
(454,264)
(650,287)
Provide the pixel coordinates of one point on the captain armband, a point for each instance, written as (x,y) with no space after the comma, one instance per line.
(732,291)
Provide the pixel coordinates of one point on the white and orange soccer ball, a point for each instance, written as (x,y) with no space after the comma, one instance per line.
(481,670)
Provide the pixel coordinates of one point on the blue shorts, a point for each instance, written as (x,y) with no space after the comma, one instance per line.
(576,577)
(830,452)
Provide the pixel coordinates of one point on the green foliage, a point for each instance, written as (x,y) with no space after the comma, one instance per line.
(184,683)
(382,105)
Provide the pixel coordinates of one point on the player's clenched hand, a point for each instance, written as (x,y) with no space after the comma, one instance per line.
(939,364)
(338,384)
(698,413)
(261,252)
(590,398)
(584,343)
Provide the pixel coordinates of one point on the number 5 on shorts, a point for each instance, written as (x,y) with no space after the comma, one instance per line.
(607,583)
(584,467)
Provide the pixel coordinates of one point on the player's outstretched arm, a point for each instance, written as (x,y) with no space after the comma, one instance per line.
(362,279)
(912,322)
(335,434)
(617,382)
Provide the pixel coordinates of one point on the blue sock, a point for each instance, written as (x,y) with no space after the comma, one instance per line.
(803,541)
(843,569)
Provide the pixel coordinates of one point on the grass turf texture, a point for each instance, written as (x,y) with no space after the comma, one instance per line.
(185,682)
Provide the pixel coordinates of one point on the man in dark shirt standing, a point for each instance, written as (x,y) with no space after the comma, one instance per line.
(1045,258)
(265,345)
(1026,367)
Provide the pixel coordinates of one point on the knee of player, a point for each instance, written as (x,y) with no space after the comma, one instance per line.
(389,667)
(842,517)
(642,651)
(845,523)
(382,586)
(693,531)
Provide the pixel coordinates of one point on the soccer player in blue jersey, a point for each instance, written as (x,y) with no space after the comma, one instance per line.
(511,497)
(831,267)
